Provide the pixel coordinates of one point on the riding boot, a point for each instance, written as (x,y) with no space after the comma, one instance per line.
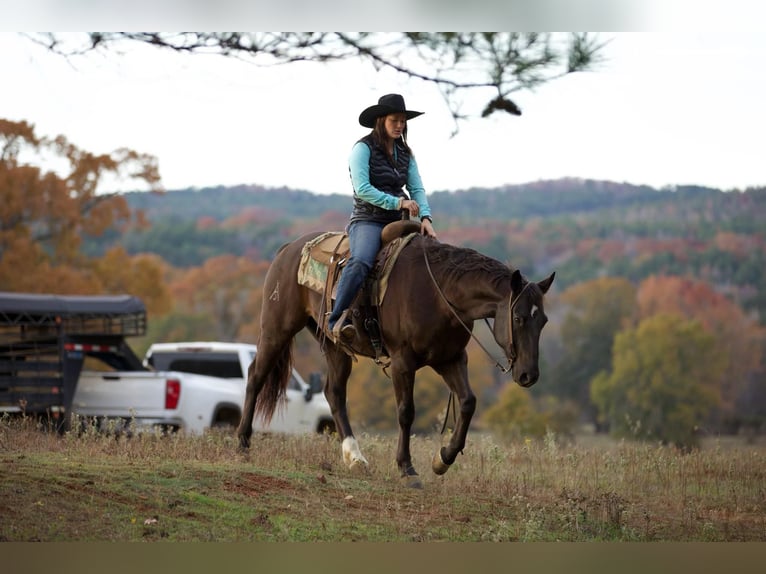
(351,279)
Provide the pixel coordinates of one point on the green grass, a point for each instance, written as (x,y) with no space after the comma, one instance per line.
(94,487)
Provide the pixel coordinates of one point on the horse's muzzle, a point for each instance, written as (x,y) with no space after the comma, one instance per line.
(526,380)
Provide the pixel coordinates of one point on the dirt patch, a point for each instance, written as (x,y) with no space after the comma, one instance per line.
(251,484)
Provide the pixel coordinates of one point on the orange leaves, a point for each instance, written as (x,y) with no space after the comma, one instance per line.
(690,298)
(735,243)
(739,338)
(49,198)
(12,136)
(56,206)
(226,289)
(139,275)
(106,213)
(139,166)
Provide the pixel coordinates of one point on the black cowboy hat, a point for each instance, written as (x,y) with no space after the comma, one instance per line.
(388,104)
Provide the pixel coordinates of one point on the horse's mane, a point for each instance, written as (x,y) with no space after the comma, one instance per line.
(454,263)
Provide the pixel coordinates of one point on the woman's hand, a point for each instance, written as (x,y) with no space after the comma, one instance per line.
(427,229)
(411,206)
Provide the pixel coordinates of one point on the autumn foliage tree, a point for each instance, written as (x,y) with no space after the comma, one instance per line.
(595,312)
(514,415)
(45,213)
(225,294)
(663,381)
(738,337)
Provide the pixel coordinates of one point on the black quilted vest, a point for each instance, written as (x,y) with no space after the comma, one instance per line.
(386,177)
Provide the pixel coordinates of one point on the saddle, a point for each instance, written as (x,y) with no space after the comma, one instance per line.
(323,258)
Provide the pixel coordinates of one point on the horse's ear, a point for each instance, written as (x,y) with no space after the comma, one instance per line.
(517,281)
(545,284)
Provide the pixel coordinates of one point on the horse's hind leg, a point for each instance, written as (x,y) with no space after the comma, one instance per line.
(456,376)
(245,429)
(338,372)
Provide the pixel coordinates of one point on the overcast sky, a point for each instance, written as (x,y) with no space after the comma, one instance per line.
(666,108)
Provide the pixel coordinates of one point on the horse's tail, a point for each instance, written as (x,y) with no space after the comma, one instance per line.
(273,393)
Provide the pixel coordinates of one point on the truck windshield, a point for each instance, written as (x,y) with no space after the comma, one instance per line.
(212,364)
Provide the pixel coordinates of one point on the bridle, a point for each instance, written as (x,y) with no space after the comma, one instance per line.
(510,360)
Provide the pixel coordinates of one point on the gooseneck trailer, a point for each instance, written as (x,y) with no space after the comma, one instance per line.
(44,340)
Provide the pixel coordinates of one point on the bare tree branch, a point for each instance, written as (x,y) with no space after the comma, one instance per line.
(456,62)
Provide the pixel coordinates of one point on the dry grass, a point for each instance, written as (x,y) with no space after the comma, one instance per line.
(92,486)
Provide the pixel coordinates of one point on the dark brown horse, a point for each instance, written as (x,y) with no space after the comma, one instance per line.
(435,293)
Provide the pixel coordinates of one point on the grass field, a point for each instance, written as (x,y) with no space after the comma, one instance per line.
(94,487)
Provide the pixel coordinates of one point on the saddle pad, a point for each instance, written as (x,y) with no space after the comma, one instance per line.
(315,258)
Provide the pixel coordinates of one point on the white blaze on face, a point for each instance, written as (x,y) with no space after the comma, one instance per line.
(534,310)
(352,456)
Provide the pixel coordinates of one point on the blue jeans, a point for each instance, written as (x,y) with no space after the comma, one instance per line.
(364,243)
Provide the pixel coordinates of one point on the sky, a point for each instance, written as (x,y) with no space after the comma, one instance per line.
(666,108)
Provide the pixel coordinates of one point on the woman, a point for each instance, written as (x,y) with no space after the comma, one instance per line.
(381,165)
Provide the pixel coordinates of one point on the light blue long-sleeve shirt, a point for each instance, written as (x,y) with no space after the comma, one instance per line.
(359,169)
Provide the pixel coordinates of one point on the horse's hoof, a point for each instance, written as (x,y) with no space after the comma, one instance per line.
(410,477)
(438,465)
(352,456)
(244,443)
(358,464)
(412,481)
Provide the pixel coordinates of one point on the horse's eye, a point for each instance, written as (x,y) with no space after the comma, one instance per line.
(534,311)
(518,319)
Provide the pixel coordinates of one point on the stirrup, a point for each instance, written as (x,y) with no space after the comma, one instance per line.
(342,331)
(373,330)
(347,333)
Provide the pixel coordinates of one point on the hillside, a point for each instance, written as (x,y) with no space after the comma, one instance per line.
(581,228)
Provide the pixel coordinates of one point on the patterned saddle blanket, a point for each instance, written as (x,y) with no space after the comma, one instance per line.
(332,248)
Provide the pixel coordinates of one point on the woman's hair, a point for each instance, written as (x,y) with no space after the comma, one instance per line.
(380,136)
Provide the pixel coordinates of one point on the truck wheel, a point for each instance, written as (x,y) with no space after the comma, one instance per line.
(226,419)
(326,426)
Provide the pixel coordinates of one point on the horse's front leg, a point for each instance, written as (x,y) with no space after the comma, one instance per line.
(404,383)
(456,376)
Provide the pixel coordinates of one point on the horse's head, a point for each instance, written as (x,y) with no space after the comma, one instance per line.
(519,320)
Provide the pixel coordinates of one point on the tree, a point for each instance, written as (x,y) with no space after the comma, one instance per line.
(596,311)
(738,337)
(663,381)
(44,214)
(514,415)
(495,63)
(141,275)
(226,289)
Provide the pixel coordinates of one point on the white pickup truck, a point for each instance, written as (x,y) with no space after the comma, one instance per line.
(189,387)
(306,411)
(115,389)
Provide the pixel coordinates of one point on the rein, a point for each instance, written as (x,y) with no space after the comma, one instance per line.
(512,358)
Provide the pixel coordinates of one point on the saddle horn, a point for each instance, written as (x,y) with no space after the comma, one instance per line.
(398,229)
